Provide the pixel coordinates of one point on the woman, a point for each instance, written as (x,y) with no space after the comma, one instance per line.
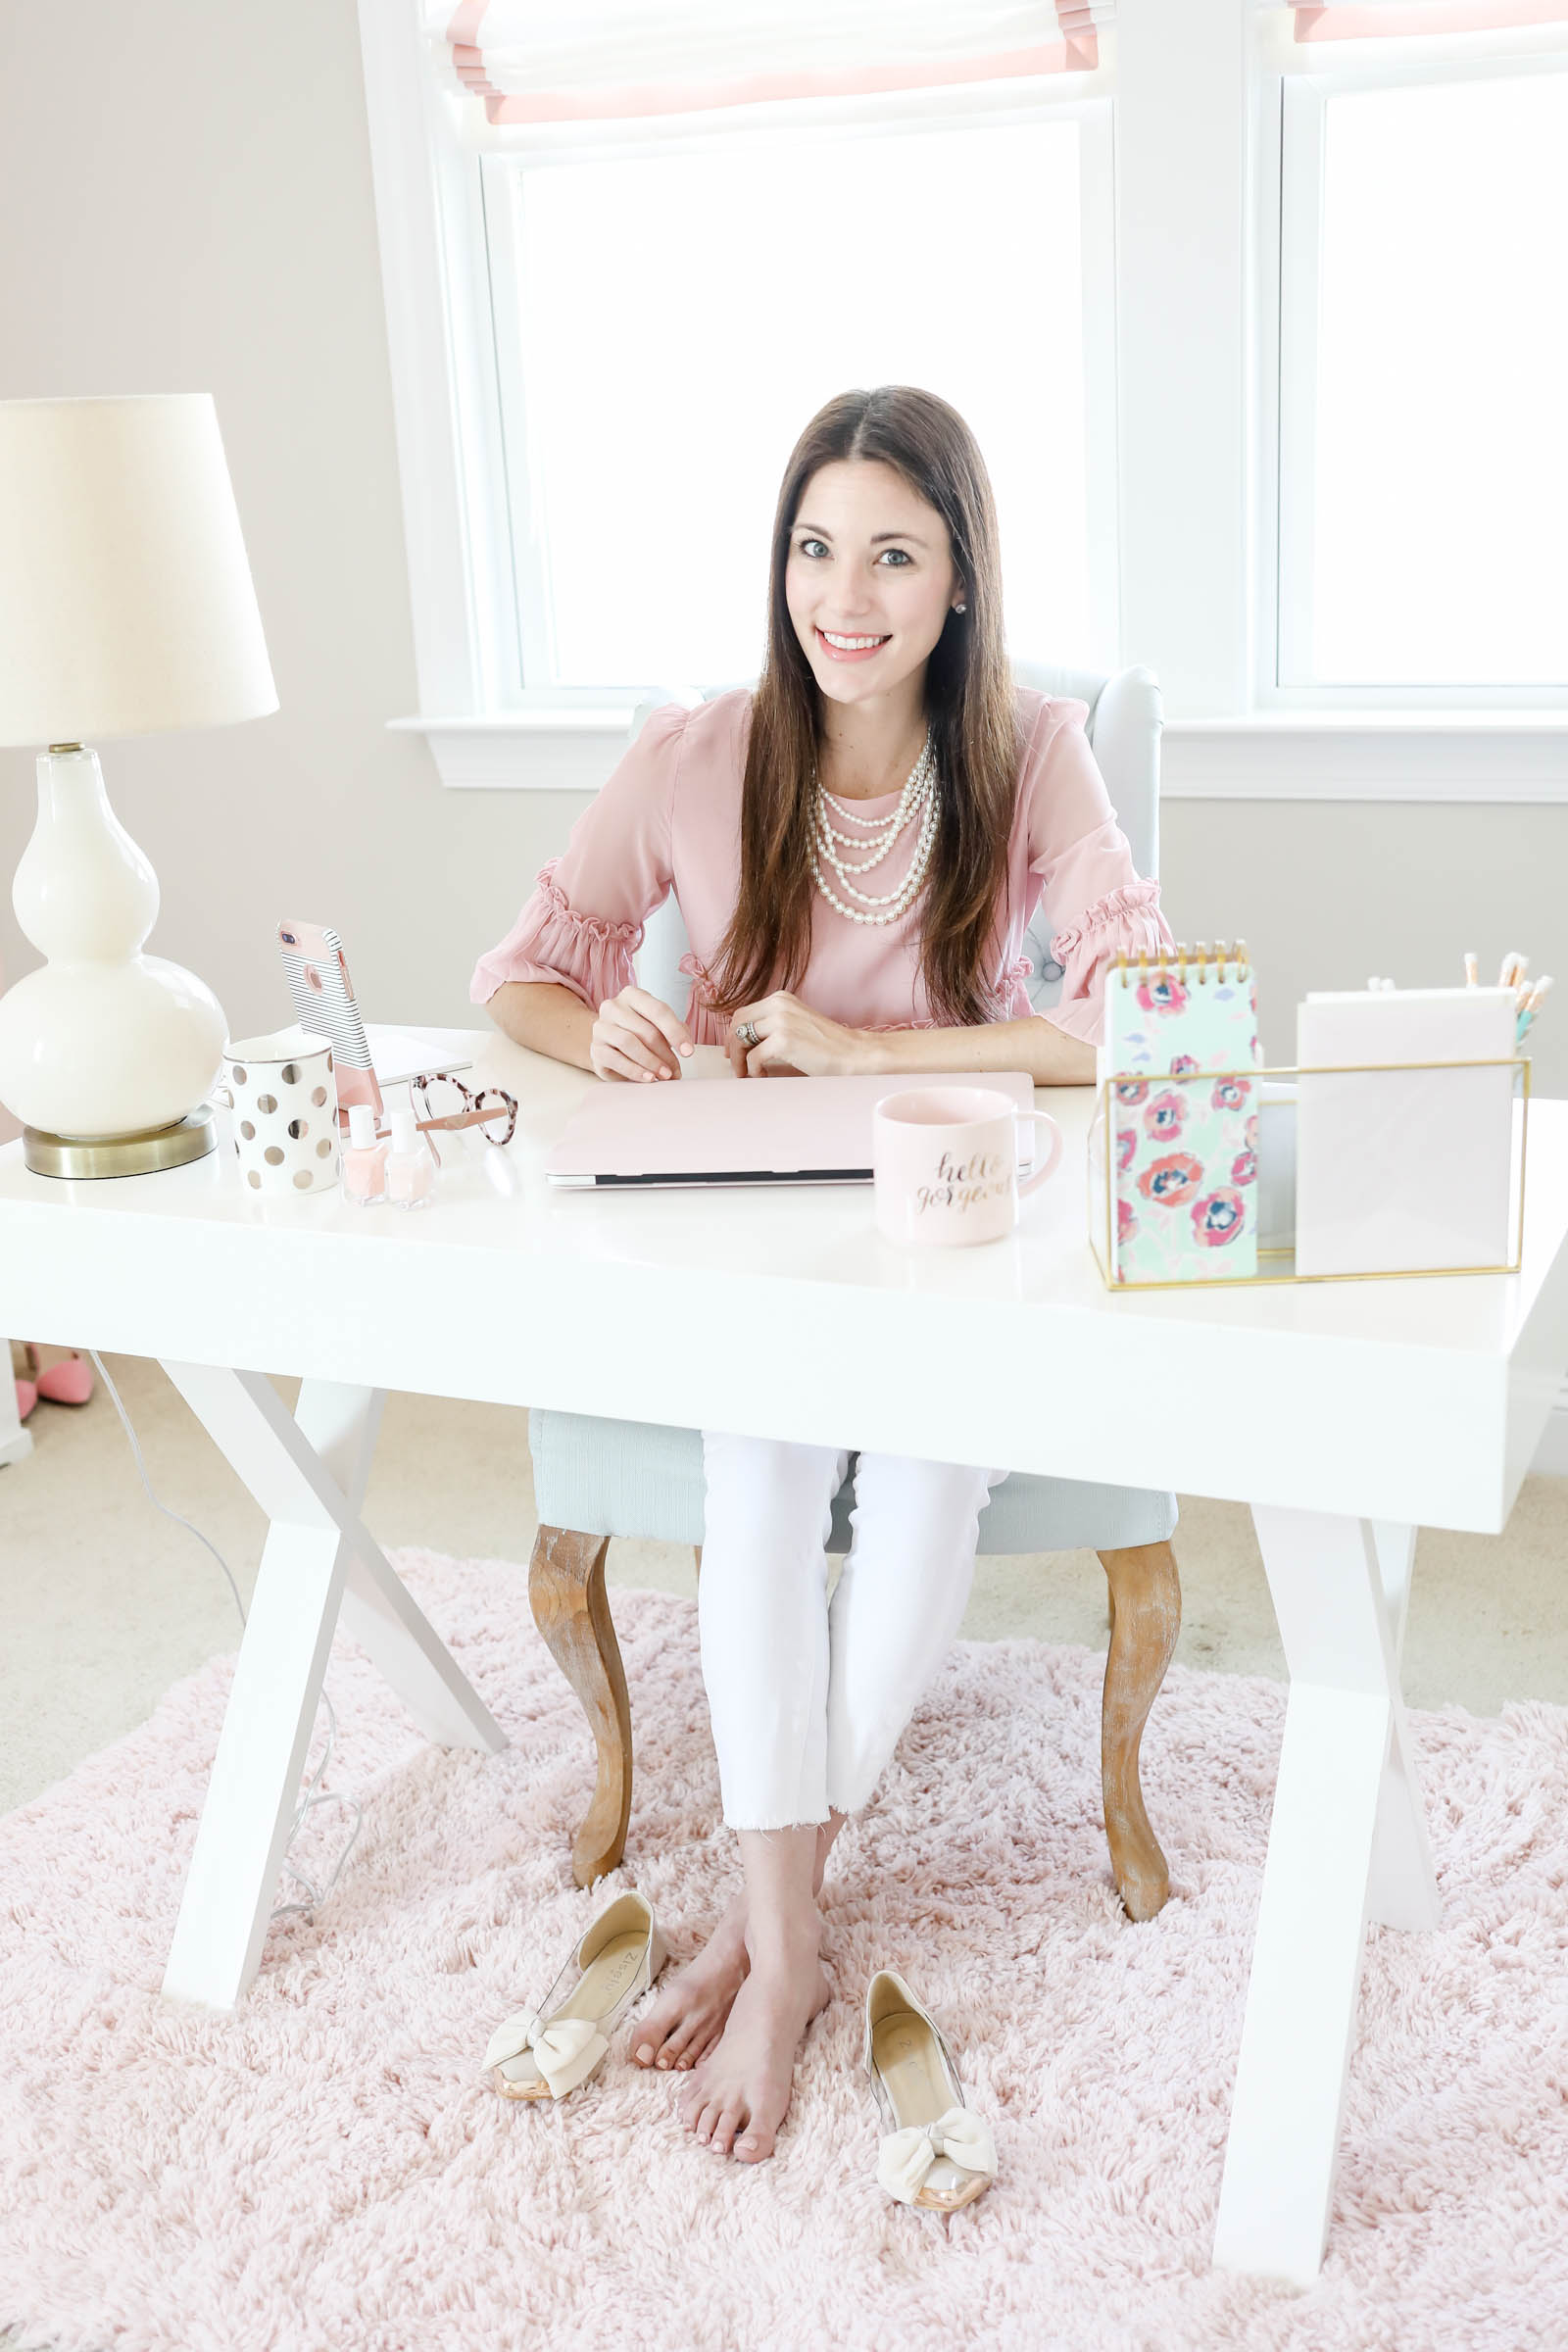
(857,849)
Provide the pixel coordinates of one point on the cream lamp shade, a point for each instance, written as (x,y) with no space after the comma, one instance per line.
(125,598)
(125,608)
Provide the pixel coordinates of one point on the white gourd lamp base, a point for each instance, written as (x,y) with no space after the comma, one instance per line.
(106,1055)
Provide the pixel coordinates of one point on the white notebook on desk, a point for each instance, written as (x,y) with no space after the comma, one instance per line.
(1404,1171)
(398,1054)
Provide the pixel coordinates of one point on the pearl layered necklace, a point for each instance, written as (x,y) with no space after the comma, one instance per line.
(917,805)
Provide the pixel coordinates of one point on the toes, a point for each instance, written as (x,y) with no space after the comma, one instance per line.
(694,2032)
(652,2032)
(678,2035)
(732,2117)
(708,2120)
(665,2055)
(761,2127)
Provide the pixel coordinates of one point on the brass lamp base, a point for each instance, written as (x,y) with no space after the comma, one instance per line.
(140,1155)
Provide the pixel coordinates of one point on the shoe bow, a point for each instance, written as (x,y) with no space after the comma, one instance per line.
(553,2047)
(904,2157)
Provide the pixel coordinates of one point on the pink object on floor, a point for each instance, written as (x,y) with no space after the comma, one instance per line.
(329,2167)
(68,1382)
(27,1398)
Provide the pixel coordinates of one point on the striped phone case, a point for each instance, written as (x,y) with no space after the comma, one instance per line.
(324,1001)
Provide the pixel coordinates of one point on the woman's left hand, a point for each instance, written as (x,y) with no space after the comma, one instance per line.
(793,1041)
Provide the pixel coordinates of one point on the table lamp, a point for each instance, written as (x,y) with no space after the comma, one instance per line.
(125,608)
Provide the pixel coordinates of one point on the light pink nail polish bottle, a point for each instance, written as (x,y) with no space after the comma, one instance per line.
(410,1170)
(365,1161)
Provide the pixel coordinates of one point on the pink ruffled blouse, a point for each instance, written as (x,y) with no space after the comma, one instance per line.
(669,819)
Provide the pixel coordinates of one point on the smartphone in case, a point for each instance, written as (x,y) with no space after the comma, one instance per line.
(324,1000)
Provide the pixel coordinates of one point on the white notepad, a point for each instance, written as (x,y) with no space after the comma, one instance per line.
(1404,1171)
(398,1054)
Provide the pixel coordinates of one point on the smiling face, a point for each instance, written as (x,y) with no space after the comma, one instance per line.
(869,579)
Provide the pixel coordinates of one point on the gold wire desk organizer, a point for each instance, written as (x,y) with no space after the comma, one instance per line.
(1102,1175)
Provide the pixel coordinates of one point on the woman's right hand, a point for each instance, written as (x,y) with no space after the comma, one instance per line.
(636,1036)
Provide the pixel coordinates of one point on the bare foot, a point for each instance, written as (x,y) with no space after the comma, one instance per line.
(686,2021)
(738,2096)
(688,2017)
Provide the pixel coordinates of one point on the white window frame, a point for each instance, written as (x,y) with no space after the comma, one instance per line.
(1301,126)
(473,553)
(1193,158)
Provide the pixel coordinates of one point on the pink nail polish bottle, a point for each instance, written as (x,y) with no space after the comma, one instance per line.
(410,1172)
(365,1161)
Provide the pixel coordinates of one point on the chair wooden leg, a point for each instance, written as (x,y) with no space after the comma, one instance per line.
(567,1593)
(1146,1616)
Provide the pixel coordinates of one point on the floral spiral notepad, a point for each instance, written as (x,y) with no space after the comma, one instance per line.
(1180,1036)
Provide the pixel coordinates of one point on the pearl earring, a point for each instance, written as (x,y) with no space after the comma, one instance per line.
(961,608)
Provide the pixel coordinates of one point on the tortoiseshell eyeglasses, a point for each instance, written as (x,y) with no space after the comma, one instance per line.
(441,1102)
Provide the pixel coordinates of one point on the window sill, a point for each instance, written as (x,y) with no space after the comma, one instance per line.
(565,747)
(1501,755)
(1472,755)
(1346,720)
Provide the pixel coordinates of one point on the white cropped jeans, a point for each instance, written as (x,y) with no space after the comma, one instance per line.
(807,1702)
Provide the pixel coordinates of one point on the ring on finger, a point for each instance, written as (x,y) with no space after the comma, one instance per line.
(746,1033)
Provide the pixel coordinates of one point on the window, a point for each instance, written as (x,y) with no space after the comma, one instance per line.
(771,274)
(1424,354)
(1327,479)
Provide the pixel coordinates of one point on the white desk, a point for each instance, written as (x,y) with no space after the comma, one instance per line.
(1345,1414)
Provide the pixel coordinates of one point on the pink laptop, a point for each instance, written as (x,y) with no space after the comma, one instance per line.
(740,1131)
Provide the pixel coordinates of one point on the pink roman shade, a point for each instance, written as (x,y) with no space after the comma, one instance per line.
(1385,19)
(533,62)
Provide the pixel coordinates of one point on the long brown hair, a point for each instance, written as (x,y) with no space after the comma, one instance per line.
(969,707)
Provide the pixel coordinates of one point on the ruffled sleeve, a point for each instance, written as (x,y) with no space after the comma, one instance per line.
(1094,899)
(584,921)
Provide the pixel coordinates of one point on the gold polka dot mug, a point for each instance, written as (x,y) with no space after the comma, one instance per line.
(282,1092)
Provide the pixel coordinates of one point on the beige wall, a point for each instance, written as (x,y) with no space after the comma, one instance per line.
(1325,894)
(188,202)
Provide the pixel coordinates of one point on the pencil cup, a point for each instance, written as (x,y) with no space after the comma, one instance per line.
(945,1160)
(282,1090)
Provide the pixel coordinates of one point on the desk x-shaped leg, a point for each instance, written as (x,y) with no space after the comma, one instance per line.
(308,1472)
(1347,1842)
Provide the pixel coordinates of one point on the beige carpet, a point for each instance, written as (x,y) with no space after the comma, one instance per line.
(105,1603)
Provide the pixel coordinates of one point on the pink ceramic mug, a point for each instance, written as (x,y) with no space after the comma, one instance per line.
(944,1160)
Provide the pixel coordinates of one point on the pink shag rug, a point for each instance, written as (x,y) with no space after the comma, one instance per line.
(328,2168)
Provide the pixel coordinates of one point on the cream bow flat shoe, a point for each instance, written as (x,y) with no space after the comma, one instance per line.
(543,2053)
(938,2152)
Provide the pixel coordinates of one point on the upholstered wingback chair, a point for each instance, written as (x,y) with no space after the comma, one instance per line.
(596,1479)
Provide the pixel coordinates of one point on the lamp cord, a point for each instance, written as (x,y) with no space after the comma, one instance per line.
(315,1793)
